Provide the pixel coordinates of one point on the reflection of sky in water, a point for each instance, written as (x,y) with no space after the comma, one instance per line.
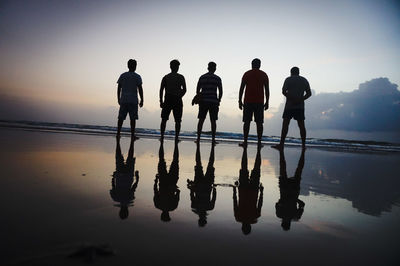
(73,172)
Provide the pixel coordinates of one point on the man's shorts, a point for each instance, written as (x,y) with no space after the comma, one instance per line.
(212,108)
(125,108)
(297,114)
(176,106)
(253,108)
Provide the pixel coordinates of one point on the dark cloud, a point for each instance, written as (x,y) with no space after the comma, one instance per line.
(374,106)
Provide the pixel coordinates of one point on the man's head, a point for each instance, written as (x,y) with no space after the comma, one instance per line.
(294,71)
(246,228)
(132,64)
(286,224)
(165,216)
(256,63)
(174,65)
(212,67)
(123,212)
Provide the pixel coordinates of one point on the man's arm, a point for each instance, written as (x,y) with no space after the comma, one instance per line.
(241,90)
(220,91)
(198,88)
(162,86)
(260,199)
(140,89)
(183,86)
(266,88)
(119,93)
(235,203)
(308,91)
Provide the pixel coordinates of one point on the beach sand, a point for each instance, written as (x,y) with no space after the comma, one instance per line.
(57,196)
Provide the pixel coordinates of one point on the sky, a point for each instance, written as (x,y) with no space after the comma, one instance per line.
(71,53)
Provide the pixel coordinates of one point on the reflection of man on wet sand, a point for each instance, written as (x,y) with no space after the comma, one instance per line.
(289,207)
(122,189)
(166,192)
(249,208)
(202,187)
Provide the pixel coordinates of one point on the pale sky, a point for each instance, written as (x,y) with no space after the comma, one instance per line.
(74,51)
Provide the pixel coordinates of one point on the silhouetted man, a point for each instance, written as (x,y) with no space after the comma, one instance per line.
(166,192)
(129,84)
(296,89)
(175,88)
(257,86)
(123,188)
(209,101)
(202,190)
(249,208)
(289,207)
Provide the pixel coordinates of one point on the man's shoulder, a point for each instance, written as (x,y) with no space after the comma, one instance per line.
(180,76)
(248,72)
(262,72)
(303,78)
(124,74)
(174,75)
(130,74)
(296,78)
(210,75)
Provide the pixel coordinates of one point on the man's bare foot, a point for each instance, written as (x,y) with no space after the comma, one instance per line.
(278,146)
(243,144)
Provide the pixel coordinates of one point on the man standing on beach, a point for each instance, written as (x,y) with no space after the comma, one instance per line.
(296,89)
(256,83)
(209,102)
(129,84)
(175,88)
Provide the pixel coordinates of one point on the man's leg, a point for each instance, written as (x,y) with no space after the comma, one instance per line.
(199,128)
(122,113)
(303,133)
(213,129)
(120,122)
(285,128)
(162,127)
(177,130)
(133,128)
(214,109)
(260,129)
(246,129)
(178,111)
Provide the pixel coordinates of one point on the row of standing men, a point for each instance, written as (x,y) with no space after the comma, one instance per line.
(254,86)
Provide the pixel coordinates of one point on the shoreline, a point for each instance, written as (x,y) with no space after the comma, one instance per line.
(328,144)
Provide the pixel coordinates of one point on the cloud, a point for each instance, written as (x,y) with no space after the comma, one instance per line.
(374,106)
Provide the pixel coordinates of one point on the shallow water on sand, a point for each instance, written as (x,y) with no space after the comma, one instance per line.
(60,191)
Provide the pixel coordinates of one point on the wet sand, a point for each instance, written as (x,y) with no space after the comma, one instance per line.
(58,195)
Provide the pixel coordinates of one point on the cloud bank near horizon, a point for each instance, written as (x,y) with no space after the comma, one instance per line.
(374,106)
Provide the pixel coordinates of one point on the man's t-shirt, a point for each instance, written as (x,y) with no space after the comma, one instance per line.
(173,83)
(129,82)
(254,80)
(295,86)
(209,84)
